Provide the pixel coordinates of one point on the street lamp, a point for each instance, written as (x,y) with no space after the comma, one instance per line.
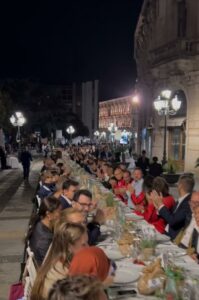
(70,130)
(96,133)
(112,128)
(166,105)
(18,120)
(135,123)
(103,135)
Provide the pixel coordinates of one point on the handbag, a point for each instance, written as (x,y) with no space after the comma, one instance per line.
(16,291)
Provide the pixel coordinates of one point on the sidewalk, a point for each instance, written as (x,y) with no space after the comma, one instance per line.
(15,210)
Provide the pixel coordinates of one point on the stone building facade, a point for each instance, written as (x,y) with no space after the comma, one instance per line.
(167,57)
(117,111)
(124,113)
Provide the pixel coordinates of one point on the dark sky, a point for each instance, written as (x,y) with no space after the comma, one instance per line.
(64,41)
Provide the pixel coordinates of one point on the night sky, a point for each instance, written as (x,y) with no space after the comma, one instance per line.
(65,41)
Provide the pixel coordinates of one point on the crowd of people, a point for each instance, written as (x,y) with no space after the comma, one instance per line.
(64,239)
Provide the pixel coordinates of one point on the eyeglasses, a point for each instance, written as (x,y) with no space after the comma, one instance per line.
(85,204)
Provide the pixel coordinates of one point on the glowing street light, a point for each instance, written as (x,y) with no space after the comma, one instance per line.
(96,133)
(70,130)
(112,128)
(165,106)
(18,120)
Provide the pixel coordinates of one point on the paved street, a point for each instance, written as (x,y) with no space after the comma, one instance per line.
(15,210)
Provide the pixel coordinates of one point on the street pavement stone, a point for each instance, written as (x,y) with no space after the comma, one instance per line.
(15,210)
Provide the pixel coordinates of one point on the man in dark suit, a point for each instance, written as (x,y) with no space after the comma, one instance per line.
(177,219)
(82,201)
(68,190)
(26,159)
(143,162)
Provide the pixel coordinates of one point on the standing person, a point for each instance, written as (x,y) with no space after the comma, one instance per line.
(155,168)
(25,159)
(143,162)
(3,158)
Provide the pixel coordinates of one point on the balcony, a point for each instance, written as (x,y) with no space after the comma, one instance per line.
(178,49)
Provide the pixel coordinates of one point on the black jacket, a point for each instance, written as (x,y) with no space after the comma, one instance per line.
(40,241)
(177,219)
(64,202)
(93,233)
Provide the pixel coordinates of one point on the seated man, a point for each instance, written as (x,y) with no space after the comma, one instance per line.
(177,218)
(188,237)
(136,190)
(68,190)
(47,185)
(82,201)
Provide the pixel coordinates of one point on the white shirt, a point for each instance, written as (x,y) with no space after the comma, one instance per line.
(189,231)
(138,186)
(186,238)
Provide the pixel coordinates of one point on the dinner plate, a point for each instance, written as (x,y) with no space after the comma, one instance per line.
(133,217)
(162,238)
(113,254)
(127,274)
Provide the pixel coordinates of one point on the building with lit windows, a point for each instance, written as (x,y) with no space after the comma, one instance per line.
(167,58)
(117,111)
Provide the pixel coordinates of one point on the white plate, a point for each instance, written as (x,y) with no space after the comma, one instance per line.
(127,274)
(131,216)
(162,238)
(113,254)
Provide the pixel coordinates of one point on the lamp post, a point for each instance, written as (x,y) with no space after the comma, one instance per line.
(70,130)
(112,128)
(166,105)
(103,135)
(96,134)
(18,120)
(135,123)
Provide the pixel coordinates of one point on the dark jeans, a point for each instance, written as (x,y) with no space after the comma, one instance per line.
(26,170)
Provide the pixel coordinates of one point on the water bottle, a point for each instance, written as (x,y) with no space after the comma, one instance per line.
(170,288)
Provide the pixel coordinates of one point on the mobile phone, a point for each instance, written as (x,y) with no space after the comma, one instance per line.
(127,292)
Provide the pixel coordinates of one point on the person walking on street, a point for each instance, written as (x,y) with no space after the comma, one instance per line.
(3,158)
(26,159)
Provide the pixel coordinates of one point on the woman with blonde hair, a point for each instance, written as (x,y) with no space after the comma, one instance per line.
(67,241)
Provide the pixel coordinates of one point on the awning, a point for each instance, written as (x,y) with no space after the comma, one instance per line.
(174,122)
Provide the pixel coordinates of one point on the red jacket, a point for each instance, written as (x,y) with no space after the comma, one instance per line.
(151,216)
(121,184)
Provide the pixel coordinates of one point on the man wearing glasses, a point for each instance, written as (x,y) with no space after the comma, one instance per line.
(82,201)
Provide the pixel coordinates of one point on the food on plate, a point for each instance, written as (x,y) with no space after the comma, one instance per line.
(152,279)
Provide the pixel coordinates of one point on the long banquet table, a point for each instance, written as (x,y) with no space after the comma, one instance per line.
(110,246)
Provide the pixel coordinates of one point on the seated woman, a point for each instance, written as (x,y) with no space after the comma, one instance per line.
(93,261)
(188,238)
(160,186)
(77,287)
(67,241)
(41,227)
